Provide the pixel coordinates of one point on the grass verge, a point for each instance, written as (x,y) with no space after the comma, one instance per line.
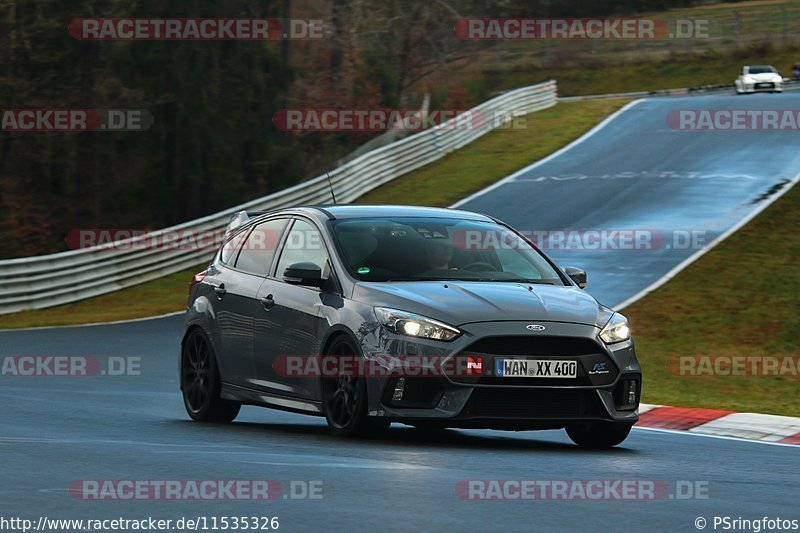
(441,183)
(157,297)
(735,34)
(682,71)
(493,156)
(741,298)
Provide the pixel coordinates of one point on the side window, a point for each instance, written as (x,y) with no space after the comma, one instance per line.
(259,248)
(303,244)
(230,248)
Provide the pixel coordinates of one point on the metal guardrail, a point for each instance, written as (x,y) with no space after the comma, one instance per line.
(789,84)
(49,280)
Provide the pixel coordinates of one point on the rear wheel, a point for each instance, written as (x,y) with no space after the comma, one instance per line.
(599,435)
(200,382)
(344,399)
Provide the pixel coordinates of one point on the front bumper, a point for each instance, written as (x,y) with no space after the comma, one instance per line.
(761,87)
(488,401)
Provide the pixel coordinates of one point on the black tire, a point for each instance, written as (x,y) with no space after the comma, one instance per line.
(200,382)
(344,400)
(599,435)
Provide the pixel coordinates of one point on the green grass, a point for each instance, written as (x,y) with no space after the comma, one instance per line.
(678,72)
(157,297)
(750,32)
(493,156)
(742,298)
(501,152)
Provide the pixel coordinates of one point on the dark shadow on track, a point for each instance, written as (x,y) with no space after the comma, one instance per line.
(400,435)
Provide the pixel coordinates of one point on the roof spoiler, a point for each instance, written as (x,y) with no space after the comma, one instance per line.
(239,219)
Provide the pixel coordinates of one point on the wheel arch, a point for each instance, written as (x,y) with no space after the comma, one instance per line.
(335,333)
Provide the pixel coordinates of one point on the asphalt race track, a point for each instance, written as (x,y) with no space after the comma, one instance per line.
(634,173)
(679,188)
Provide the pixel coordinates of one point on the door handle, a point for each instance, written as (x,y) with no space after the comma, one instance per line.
(267,302)
(220,290)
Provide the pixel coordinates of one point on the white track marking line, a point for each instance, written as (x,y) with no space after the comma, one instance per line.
(700,253)
(555,154)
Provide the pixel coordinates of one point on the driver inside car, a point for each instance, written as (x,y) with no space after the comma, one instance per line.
(439,253)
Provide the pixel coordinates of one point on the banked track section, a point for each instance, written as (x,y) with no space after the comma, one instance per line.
(674,191)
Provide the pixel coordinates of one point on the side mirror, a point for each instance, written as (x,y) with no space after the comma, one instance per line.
(577,275)
(307,274)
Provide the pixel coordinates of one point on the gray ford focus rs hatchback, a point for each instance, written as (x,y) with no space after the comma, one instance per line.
(369,315)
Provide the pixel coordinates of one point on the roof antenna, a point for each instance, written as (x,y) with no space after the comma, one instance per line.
(330,184)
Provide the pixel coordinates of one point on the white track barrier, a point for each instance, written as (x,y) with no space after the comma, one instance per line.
(55,279)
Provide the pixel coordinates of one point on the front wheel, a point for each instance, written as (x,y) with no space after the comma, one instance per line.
(599,435)
(200,382)
(344,399)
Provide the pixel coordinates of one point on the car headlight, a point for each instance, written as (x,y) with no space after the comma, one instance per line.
(415,325)
(617,330)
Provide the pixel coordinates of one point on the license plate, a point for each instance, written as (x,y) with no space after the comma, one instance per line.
(763,85)
(535,368)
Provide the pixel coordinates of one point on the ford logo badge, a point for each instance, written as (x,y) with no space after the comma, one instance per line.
(534,327)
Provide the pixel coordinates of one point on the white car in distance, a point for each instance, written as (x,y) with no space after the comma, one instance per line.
(759,78)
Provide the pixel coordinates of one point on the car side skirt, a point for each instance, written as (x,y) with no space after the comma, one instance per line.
(274,401)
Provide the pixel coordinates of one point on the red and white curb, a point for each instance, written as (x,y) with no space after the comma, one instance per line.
(751,426)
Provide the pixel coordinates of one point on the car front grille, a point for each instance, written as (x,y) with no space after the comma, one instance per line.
(587,352)
(533,404)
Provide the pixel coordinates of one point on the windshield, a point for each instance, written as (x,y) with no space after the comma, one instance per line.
(761,69)
(425,249)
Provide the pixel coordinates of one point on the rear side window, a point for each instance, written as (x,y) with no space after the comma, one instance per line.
(259,248)
(230,247)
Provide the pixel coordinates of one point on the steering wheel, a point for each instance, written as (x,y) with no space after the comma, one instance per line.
(485,267)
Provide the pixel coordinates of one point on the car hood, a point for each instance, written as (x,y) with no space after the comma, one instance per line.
(767,76)
(462,302)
